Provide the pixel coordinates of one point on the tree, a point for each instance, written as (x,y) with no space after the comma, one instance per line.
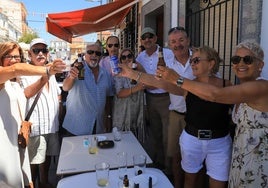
(28,37)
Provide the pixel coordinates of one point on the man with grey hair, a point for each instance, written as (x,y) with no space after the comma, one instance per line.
(87,98)
(43,142)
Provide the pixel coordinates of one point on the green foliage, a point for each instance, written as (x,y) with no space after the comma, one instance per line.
(28,37)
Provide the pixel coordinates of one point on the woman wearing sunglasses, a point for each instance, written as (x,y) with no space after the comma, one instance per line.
(128,111)
(249,165)
(14,161)
(206,136)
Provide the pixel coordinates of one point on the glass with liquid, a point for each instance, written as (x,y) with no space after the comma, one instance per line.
(102,174)
(93,148)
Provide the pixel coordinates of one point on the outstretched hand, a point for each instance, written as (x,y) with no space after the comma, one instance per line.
(57,66)
(167,74)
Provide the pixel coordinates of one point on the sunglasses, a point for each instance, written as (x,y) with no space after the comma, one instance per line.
(196,60)
(97,53)
(248,60)
(16,57)
(176,29)
(38,50)
(124,57)
(111,45)
(148,35)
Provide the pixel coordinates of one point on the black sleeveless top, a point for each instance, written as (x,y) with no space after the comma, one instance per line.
(203,114)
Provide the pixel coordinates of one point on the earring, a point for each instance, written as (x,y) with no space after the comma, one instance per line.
(260,69)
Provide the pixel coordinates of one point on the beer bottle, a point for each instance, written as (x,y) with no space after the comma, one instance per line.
(161,61)
(80,67)
(125,182)
(134,67)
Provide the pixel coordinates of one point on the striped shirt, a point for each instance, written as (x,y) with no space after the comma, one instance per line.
(45,116)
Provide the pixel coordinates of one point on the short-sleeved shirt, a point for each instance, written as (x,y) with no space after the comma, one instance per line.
(86,103)
(177,102)
(45,116)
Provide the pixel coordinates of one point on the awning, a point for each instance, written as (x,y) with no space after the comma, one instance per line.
(67,25)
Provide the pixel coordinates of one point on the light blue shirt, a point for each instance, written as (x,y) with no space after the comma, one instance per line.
(86,103)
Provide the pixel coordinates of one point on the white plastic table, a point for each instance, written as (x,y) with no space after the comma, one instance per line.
(74,156)
(89,179)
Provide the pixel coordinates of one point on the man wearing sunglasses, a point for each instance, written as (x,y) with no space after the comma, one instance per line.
(44,141)
(157,100)
(179,43)
(112,46)
(87,98)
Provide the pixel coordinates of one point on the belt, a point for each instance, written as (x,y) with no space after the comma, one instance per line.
(181,113)
(204,134)
(157,94)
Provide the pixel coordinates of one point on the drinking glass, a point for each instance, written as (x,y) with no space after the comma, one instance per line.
(102,174)
(122,164)
(93,149)
(139,162)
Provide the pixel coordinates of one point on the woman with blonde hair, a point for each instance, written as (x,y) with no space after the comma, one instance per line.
(206,137)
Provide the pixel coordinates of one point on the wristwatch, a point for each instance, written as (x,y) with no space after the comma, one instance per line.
(180,81)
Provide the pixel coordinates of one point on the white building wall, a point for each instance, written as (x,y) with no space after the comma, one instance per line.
(13,10)
(11,20)
(174,13)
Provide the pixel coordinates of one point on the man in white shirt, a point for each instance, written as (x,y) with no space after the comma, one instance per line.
(157,100)
(179,43)
(43,142)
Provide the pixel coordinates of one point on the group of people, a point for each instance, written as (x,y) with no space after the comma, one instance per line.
(205,139)
(187,107)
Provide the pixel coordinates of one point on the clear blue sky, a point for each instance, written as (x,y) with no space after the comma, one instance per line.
(37,11)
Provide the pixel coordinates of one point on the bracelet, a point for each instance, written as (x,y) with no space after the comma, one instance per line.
(138,76)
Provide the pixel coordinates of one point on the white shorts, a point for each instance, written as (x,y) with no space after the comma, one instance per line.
(41,146)
(215,152)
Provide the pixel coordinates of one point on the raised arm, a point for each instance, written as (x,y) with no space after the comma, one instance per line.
(68,82)
(19,69)
(247,92)
(151,80)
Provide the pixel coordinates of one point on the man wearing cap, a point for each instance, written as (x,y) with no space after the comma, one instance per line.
(43,142)
(157,100)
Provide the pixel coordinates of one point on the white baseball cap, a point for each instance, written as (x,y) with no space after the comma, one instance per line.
(37,41)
